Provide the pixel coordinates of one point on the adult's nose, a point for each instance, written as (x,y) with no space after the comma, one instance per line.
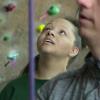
(85,3)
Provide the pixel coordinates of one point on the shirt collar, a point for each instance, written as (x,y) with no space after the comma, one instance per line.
(91,60)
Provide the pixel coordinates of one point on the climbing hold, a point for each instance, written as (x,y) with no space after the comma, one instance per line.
(6,37)
(53,10)
(13,55)
(10,7)
(40,28)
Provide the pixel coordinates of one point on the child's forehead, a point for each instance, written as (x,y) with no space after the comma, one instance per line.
(62,20)
(59,22)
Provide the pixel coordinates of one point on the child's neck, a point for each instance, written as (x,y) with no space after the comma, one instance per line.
(49,67)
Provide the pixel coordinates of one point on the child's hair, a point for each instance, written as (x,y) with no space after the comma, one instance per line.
(78,41)
(75,30)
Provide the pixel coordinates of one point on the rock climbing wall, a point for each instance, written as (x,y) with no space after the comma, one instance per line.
(14,31)
(13,39)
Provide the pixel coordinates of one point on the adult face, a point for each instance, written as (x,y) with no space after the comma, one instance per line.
(89,19)
(57,38)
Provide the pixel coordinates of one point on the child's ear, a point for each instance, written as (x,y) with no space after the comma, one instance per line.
(74,51)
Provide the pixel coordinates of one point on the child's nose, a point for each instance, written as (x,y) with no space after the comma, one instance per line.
(51,32)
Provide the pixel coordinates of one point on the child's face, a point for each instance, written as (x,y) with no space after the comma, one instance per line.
(57,38)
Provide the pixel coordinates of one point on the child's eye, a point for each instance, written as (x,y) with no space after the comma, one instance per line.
(62,32)
(46,29)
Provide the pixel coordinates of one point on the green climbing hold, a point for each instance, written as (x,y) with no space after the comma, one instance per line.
(53,10)
(6,37)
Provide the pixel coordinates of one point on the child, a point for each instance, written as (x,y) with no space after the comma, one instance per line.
(57,44)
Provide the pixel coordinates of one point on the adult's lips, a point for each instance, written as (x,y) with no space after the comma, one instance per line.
(84,17)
